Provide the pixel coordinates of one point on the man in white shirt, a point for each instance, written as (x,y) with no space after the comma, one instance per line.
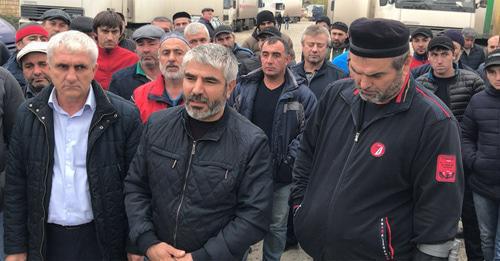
(69,152)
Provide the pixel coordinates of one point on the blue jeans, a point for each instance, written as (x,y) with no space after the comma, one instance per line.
(274,241)
(488,217)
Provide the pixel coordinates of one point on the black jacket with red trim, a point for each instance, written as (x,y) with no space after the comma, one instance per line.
(378,192)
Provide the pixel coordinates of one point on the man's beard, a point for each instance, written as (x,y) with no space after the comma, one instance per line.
(171,75)
(214,107)
(388,94)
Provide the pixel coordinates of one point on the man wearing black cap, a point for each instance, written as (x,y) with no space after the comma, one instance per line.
(181,20)
(378,174)
(324,21)
(206,17)
(55,21)
(265,19)
(419,40)
(224,36)
(315,69)
(274,100)
(480,145)
(125,81)
(339,34)
(453,86)
(458,43)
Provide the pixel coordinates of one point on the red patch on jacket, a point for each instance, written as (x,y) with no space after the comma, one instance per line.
(377,149)
(446,169)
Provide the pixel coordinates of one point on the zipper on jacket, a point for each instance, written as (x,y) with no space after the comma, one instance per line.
(193,150)
(45,186)
(87,166)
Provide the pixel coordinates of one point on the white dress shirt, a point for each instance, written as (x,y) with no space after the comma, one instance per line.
(69,203)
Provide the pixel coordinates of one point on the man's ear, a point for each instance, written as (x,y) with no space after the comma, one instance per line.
(230,88)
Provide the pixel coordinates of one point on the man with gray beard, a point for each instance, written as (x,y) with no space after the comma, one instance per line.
(147,39)
(200,185)
(166,90)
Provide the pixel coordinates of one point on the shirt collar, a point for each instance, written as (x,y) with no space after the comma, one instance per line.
(140,71)
(90,103)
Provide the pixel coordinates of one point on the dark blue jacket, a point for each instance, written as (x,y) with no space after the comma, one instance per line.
(13,67)
(125,81)
(296,103)
(481,142)
(327,74)
(475,57)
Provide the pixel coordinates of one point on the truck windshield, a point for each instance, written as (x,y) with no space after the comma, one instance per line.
(467,6)
(228,4)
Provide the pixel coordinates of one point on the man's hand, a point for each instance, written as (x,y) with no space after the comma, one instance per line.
(187,257)
(17,257)
(164,252)
(132,257)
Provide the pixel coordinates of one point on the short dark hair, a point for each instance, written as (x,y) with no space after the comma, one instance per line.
(109,19)
(275,39)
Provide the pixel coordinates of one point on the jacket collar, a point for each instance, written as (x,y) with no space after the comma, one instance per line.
(39,104)
(400,103)
(302,72)
(491,91)
(257,76)
(214,134)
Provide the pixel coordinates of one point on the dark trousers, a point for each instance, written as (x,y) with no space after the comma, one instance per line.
(72,243)
(472,239)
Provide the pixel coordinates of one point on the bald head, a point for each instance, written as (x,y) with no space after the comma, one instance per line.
(493,43)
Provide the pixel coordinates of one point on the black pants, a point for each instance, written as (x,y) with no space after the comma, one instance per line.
(72,243)
(471,228)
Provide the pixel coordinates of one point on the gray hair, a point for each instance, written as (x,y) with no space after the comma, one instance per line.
(399,61)
(161,19)
(469,33)
(72,41)
(214,55)
(194,28)
(314,30)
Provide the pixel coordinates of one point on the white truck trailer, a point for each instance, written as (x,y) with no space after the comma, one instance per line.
(434,14)
(240,14)
(137,12)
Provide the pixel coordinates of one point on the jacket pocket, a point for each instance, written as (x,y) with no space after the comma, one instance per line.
(165,169)
(215,179)
(385,234)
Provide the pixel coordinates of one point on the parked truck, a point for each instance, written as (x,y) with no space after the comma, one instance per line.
(275,6)
(437,15)
(240,14)
(293,8)
(137,12)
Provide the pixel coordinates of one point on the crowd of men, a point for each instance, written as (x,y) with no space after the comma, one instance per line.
(180,144)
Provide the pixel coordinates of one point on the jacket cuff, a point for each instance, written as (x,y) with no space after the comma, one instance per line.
(146,240)
(200,254)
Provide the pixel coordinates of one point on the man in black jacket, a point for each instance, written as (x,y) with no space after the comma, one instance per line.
(378,174)
(125,81)
(473,54)
(274,100)
(200,187)
(206,17)
(316,70)
(455,87)
(68,156)
(11,97)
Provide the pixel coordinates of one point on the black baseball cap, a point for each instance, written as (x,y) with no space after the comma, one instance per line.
(426,32)
(444,42)
(492,59)
(223,29)
(268,32)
